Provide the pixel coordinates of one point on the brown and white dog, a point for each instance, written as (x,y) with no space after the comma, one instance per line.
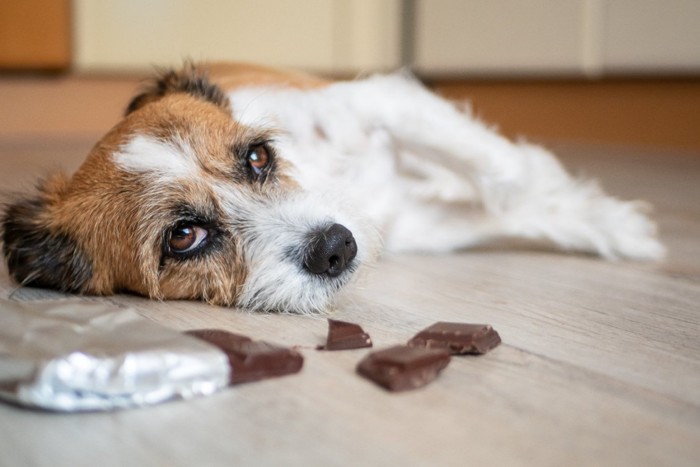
(266,189)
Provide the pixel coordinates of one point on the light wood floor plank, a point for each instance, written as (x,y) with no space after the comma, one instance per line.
(600,362)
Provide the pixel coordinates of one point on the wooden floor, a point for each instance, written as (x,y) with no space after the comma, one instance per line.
(600,362)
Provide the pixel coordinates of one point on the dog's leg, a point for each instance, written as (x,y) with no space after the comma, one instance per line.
(475,185)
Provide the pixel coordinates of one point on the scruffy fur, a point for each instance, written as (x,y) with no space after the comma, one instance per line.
(380,156)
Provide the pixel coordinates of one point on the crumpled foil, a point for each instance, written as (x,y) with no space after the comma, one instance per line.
(75,356)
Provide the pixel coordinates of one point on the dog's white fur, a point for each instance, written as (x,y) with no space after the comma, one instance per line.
(165,159)
(382,156)
(433,178)
(270,226)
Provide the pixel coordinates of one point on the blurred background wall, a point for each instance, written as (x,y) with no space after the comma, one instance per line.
(613,71)
(437,37)
(329,36)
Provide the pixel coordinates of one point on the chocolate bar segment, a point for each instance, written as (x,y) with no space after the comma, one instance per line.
(457,338)
(344,336)
(401,368)
(251,360)
(217,337)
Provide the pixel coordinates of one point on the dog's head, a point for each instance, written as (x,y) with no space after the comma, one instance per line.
(180,201)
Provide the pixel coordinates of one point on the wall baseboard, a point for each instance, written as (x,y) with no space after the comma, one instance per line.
(639,112)
(656,113)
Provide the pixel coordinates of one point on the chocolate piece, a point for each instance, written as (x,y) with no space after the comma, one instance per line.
(458,338)
(343,336)
(400,368)
(251,360)
(217,337)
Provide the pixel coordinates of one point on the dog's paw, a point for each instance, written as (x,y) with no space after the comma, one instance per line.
(579,216)
(626,231)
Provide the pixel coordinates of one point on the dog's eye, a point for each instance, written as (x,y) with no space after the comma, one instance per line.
(258,158)
(186,238)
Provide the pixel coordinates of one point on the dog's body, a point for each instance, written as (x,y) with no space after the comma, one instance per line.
(276,208)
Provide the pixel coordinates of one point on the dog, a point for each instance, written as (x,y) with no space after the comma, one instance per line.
(269,189)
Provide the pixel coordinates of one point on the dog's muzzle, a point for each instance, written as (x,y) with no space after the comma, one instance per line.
(330,251)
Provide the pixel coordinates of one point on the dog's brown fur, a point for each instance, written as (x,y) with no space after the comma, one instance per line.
(101,230)
(229,76)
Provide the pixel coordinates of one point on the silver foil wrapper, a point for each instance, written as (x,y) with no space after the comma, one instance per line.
(74,356)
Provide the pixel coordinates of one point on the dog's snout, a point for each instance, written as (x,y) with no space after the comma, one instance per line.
(330,251)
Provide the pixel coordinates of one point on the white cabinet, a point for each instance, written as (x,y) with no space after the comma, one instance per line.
(497,36)
(651,35)
(556,37)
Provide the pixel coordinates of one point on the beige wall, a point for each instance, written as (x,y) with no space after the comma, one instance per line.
(320,35)
(450,37)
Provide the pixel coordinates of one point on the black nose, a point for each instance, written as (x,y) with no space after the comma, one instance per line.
(330,251)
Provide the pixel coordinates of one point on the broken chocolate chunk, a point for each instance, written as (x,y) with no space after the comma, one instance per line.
(458,338)
(251,360)
(401,368)
(344,336)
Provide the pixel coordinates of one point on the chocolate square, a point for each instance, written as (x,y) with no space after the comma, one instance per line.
(402,368)
(458,338)
(344,336)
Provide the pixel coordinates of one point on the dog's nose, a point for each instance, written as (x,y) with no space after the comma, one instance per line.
(330,251)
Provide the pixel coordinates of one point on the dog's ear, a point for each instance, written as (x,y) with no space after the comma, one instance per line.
(38,253)
(189,80)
